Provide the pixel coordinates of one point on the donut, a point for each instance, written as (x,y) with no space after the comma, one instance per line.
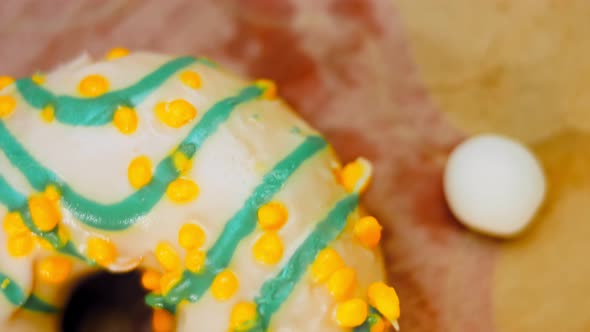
(238,214)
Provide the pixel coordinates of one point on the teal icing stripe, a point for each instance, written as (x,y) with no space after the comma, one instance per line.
(125,213)
(193,286)
(99,110)
(16,296)
(16,201)
(276,290)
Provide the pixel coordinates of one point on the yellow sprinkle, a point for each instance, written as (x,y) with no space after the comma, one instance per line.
(270,88)
(268,249)
(125,120)
(176,113)
(191,79)
(150,280)
(102,251)
(191,236)
(272,216)
(368,231)
(169,280)
(182,163)
(20,245)
(7,105)
(325,264)
(167,256)
(182,191)
(5,283)
(54,270)
(116,53)
(195,260)
(355,176)
(48,113)
(45,213)
(162,321)
(38,78)
(13,224)
(139,172)
(243,316)
(225,285)
(93,86)
(385,300)
(342,282)
(5,81)
(52,193)
(351,313)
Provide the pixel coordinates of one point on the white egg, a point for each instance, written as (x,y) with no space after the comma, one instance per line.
(494,185)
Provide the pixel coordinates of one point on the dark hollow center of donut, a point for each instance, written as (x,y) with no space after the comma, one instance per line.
(108,302)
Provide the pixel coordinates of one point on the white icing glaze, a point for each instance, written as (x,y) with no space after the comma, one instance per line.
(232,162)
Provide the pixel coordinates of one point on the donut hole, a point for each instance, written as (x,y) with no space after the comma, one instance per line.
(108,302)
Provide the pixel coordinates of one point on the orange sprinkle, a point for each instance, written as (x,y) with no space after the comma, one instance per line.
(368,231)
(93,85)
(150,280)
(385,300)
(52,193)
(269,87)
(20,245)
(38,78)
(191,79)
(54,270)
(45,213)
(13,224)
(5,81)
(272,216)
(355,176)
(102,251)
(162,321)
(7,105)
(268,249)
(139,172)
(182,190)
(351,313)
(342,282)
(48,113)
(182,163)
(225,285)
(191,236)
(167,256)
(125,120)
(176,113)
(116,53)
(195,260)
(243,316)
(326,263)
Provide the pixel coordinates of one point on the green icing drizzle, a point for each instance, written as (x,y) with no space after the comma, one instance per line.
(16,201)
(276,290)
(192,286)
(16,296)
(99,110)
(125,213)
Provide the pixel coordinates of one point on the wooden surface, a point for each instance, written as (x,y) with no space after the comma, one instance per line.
(400,82)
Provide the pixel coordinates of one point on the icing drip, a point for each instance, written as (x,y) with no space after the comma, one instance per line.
(99,110)
(192,286)
(125,213)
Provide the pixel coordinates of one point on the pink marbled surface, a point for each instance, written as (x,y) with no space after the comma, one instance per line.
(346,66)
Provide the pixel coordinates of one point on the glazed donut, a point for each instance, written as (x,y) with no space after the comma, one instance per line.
(238,214)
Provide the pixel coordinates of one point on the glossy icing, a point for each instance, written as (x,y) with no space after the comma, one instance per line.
(223,168)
